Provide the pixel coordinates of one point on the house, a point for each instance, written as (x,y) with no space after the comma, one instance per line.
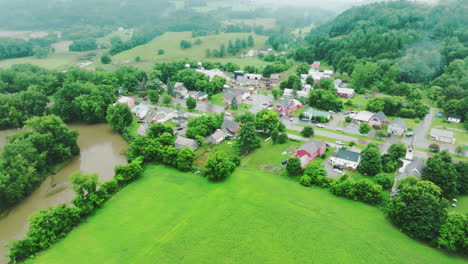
(307,88)
(217,137)
(289,93)
(442,135)
(201,96)
(454,118)
(230,94)
(397,127)
(286,106)
(316,65)
(251,53)
(337,83)
(180,90)
(347,159)
(345,92)
(274,78)
(265,51)
(309,151)
(141,110)
(328,73)
(231,127)
(363,117)
(127,100)
(378,119)
(413,169)
(163,114)
(311,113)
(183,142)
(142,130)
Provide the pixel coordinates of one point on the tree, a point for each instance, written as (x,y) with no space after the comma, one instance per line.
(153,96)
(460,150)
(127,173)
(276,93)
(418,209)
(275,135)
(106,59)
(441,171)
(161,52)
(250,41)
(325,100)
(119,117)
(184,159)
(453,233)
(267,120)
(397,151)
(434,147)
(462,181)
(302,68)
(185,44)
(283,138)
(166,99)
(307,131)
(86,190)
(156,130)
(383,181)
(294,167)
(234,105)
(371,162)
(247,138)
(381,134)
(364,128)
(218,167)
(191,103)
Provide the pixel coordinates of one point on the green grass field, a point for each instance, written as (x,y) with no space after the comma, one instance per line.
(170,43)
(252,217)
(462,205)
(57,61)
(462,137)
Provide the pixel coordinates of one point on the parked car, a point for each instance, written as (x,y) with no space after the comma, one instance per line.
(338,171)
(291,119)
(314,121)
(331,112)
(182,97)
(339,130)
(409,134)
(339,142)
(321,126)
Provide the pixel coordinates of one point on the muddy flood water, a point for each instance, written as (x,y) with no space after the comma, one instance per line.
(101,150)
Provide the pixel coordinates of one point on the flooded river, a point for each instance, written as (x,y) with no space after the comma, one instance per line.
(101,150)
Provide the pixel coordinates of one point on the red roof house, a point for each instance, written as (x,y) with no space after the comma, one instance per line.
(309,151)
(286,106)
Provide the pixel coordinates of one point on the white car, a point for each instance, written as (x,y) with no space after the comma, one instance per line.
(339,142)
(338,171)
(321,126)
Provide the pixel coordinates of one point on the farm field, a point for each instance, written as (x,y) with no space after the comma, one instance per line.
(57,61)
(170,43)
(267,23)
(252,217)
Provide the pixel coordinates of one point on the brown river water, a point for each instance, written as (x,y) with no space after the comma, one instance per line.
(101,150)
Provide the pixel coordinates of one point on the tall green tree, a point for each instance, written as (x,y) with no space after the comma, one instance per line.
(441,171)
(119,117)
(371,163)
(247,138)
(191,103)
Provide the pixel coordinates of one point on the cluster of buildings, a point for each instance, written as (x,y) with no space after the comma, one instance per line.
(373,119)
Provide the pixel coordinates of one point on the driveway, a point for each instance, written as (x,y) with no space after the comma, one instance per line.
(256,100)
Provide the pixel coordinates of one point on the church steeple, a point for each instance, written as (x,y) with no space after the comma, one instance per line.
(410,150)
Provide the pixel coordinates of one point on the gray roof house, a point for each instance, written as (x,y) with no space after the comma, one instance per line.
(442,135)
(378,119)
(397,127)
(183,142)
(217,137)
(414,169)
(346,158)
(180,90)
(231,126)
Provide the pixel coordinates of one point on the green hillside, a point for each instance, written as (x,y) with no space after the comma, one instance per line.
(254,217)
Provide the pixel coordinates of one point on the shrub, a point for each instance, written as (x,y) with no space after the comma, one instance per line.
(348,119)
(106,59)
(434,147)
(161,52)
(307,131)
(293,167)
(305,180)
(361,190)
(383,181)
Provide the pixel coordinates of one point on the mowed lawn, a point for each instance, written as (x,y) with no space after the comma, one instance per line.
(170,43)
(461,135)
(253,217)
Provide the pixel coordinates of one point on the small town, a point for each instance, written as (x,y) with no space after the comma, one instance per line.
(204,131)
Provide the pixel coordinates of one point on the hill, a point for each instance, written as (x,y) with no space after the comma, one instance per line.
(253,217)
(170,43)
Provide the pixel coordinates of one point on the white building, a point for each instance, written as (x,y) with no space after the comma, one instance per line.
(454,118)
(442,135)
(347,159)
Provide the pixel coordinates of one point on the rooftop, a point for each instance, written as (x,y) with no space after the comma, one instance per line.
(364,116)
(347,155)
(441,133)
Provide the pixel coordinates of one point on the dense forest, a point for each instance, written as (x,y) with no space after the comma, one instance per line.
(399,48)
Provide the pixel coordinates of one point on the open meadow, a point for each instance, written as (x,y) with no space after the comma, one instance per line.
(253,217)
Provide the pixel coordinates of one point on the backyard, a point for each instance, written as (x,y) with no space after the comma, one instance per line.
(457,128)
(252,217)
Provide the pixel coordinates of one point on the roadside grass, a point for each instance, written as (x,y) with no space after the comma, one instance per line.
(346,134)
(462,137)
(170,43)
(326,139)
(252,217)
(217,99)
(451,154)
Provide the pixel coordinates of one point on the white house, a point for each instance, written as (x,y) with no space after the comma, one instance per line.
(442,135)
(141,110)
(163,114)
(454,118)
(347,159)
(363,117)
(217,137)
